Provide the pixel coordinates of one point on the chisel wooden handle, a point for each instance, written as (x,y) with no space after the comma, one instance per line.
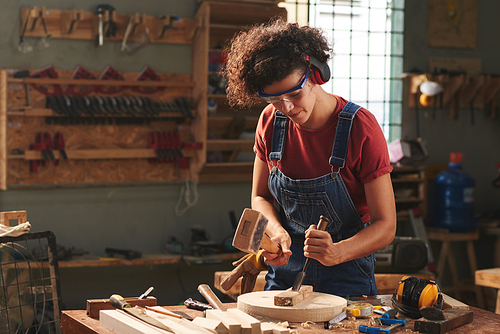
(323,221)
(268,245)
(210,296)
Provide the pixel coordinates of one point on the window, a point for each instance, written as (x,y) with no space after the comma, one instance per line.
(367,38)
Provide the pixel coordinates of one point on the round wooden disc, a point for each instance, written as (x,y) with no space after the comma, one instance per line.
(317,307)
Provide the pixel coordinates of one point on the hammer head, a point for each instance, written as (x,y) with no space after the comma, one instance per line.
(250,231)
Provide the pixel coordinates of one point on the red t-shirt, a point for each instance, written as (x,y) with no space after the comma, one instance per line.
(307,152)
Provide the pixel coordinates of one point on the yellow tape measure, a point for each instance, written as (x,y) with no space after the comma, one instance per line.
(360,310)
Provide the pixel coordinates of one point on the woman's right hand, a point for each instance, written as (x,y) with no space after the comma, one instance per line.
(283,240)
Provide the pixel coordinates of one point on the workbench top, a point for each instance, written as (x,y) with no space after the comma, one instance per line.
(77,322)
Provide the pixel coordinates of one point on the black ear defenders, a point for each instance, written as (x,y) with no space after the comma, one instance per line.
(320,72)
(414,293)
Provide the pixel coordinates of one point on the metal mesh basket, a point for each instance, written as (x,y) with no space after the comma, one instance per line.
(30,299)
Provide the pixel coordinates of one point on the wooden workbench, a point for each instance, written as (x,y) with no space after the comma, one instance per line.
(77,322)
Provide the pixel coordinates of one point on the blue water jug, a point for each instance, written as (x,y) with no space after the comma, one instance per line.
(454,197)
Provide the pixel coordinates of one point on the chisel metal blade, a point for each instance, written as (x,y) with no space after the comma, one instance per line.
(300,277)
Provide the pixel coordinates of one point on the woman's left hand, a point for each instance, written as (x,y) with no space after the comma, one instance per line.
(319,246)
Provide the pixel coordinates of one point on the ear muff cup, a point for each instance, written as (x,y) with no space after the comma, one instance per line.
(320,72)
(414,293)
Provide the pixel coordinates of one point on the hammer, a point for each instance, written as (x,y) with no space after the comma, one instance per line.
(251,234)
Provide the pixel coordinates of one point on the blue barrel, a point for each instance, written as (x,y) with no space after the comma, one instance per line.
(454,197)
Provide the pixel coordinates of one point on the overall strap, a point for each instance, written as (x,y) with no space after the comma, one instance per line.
(340,144)
(279,134)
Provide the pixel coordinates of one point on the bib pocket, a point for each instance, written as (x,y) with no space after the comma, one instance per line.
(304,209)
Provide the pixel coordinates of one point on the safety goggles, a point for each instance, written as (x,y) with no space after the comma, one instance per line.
(282,96)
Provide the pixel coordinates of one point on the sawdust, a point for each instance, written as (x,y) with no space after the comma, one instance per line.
(283,324)
(306,324)
(346,324)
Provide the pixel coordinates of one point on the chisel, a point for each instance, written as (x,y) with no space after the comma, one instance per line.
(323,221)
(137,311)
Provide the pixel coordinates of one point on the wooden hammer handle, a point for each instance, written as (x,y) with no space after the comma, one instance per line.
(210,296)
(268,245)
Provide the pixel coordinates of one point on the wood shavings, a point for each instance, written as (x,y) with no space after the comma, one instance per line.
(306,324)
(346,325)
(283,324)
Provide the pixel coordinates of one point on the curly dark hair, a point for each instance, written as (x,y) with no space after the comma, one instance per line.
(244,76)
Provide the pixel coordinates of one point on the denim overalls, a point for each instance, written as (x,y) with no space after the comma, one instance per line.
(301,204)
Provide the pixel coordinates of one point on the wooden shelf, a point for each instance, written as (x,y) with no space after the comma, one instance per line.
(149,259)
(224,19)
(79,24)
(44,112)
(229,145)
(223,122)
(410,189)
(95,82)
(98,154)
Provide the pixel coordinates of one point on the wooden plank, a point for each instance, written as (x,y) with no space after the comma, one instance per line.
(488,277)
(272,328)
(179,33)
(453,318)
(212,324)
(449,302)
(123,323)
(42,112)
(120,322)
(3,130)
(124,153)
(94,306)
(388,283)
(233,326)
(471,66)
(20,216)
(291,297)
(95,82)
(199,70)
(246,320)
(229,144)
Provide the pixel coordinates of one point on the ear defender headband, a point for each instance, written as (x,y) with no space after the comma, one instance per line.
(320,72)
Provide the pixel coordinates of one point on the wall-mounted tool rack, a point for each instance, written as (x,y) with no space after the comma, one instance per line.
(460,91)
(80,24)
(97,152)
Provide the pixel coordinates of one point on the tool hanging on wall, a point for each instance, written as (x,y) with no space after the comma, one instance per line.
(43,43)
(144,39)
(111,25)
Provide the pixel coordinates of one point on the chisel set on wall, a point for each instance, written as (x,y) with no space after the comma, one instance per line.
(112,109)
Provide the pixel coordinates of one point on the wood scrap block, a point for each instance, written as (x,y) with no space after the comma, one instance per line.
(247,321)
(291,298)
(449,302)
(212,324)
(233,326)
(120,322)
(453,318)
(488,277)
(124,323)
(272,328)
(96,305)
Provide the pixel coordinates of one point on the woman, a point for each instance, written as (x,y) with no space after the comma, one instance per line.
(316,154)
